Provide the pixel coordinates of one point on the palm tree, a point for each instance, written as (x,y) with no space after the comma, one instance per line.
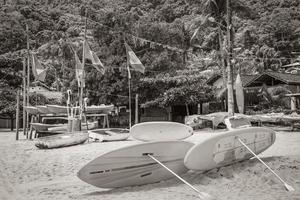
(216,10)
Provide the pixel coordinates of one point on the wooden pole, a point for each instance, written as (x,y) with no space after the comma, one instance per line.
(229,64)
(17,115)
(28,79)
(136,108)
(198,109)
(187,109)
(202,195)
(287,186)
(24,96)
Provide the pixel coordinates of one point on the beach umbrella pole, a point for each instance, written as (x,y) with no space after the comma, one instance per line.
(287,186)
(202,195)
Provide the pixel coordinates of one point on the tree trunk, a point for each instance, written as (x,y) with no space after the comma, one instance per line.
(187,109)
(11,122)
(229,64)
(222,59)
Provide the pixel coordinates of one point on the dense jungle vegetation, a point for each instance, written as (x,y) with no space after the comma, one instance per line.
(180,42)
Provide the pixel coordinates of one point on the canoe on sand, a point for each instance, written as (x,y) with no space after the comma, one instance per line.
(62,140)
(109,134)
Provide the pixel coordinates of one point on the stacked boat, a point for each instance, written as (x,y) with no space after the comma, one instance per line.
(63,110)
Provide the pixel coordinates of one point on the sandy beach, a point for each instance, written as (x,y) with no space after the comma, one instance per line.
(29,173)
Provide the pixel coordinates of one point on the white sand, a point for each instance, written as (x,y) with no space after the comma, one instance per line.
(28,173)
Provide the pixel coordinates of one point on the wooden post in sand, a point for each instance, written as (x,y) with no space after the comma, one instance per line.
(17,115)
(24,96)
(28,80)
(136,108)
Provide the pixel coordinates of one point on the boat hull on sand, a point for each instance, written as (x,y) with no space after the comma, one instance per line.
(224,148)
(130,166)
(109,134)
(61,140)
(160,131)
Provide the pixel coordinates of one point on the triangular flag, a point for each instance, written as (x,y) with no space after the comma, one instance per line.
(90,55)
(194,34)
(39,72)
(97,63)
(87,51)
(133,60)
(79,70)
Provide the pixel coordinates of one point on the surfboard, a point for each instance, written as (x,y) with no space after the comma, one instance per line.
(239,93)
(130,166)
(160,131)
(224,148)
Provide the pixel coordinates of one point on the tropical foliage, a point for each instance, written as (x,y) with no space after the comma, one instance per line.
(266,35)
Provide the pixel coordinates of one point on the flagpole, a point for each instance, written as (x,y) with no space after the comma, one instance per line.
(28,79)
(24,95)
(129,93)
(136,64)
(83,73)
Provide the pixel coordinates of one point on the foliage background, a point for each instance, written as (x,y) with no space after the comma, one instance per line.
(266,37)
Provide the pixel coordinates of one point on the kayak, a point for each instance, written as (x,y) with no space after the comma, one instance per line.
(62,140)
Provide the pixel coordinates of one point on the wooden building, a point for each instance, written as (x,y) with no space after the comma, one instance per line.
(253,85)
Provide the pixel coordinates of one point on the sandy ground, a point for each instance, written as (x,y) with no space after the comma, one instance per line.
(29,173)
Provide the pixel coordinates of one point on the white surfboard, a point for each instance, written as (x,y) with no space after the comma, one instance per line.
(239,93)
(129,166)
(224,149)
(160,131)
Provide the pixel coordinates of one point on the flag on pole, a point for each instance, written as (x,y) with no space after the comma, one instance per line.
(133,60)
(194,34)
(39,72)
(79,70)
(90,55)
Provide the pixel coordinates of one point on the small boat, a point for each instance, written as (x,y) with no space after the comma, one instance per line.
(44,127)
(62,140)
(57,109)
(43,109)
(109,134)
(99,109)
(31,110)
(64,127)
(237,122)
